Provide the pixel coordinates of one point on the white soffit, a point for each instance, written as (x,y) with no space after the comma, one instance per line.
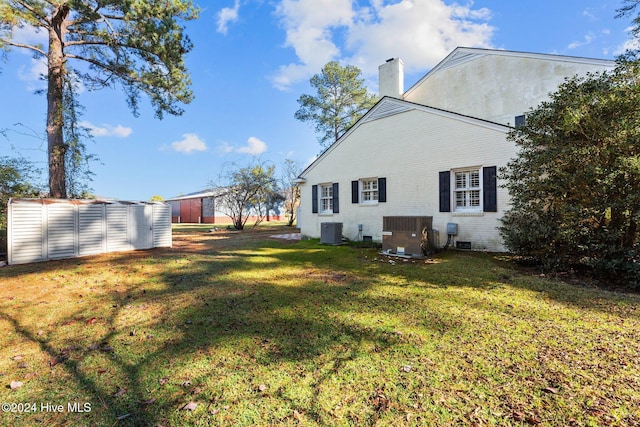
(385,109)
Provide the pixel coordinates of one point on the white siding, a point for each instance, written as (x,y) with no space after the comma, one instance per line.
(499,85)
(409,149)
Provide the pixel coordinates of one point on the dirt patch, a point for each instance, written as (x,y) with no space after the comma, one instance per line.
(216,239)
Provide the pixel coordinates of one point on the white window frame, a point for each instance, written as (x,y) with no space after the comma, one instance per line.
(325,198)
(369,196)
(467,188)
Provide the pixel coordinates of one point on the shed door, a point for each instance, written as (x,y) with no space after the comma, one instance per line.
(141,227)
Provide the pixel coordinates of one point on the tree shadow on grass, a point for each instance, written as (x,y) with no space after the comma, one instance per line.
(228,309)
(287,317)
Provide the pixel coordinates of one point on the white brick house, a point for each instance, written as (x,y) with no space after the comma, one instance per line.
(435,149)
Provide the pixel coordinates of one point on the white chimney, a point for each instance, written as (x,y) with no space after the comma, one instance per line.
(391,78)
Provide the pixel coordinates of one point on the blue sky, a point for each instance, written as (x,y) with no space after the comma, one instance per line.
(252,60)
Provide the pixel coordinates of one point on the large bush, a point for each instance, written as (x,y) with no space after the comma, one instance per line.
(575,184)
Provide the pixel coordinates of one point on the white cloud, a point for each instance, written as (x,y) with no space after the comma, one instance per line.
(254,147)
(190,142)
(421,32)
(118,131)
(587,40)
(226,16)
(309,25)
(28,34)
(225,148)
(34,74)
(590,14)
(631,44)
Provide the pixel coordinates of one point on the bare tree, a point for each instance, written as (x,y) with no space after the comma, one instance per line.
(247,191)
(290,190)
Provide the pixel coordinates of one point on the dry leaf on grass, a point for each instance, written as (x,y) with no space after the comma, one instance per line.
(191,406)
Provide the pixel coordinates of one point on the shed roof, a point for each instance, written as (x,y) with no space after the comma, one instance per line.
(197,195)
(50,201)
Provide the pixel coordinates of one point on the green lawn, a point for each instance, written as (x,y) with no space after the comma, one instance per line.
(235,328)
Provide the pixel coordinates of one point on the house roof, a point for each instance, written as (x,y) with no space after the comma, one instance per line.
(388,106)
(461,55)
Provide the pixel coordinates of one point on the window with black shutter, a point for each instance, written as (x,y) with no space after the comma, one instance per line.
(382,190)
(369,191)
(490,189)
(445,191)
(314,199)
(355,191)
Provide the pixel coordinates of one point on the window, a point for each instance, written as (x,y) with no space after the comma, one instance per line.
(369,191)
(467,190)
(326,198)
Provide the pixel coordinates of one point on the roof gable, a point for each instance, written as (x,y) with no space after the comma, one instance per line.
(462,55)
(387,107)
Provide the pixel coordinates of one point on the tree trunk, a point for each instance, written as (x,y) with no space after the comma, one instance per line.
(55,105)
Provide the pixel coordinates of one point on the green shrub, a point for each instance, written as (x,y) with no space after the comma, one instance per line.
(575,183)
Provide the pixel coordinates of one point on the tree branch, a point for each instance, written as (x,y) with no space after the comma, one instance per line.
(42,18)
(26,46)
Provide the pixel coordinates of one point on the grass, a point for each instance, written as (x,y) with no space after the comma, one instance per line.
(254,331)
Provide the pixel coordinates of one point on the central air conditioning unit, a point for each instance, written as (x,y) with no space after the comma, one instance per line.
(407,235)
(331,233)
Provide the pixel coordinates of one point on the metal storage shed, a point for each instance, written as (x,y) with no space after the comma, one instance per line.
(47,229)
(197,208)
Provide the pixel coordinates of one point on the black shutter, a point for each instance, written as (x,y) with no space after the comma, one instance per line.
(355,192)
(314,199)
(336,206)
(445,191)
(382,190)
(490,189)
